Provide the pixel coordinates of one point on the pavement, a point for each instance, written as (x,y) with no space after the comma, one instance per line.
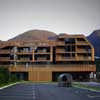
(42,91)
(21,91)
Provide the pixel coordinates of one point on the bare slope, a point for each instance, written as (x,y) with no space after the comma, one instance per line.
(34,35)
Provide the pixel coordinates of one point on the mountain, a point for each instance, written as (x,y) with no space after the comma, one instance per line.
(94,38)
(34,35)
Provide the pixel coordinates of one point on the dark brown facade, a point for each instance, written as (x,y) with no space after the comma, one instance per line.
(45,60)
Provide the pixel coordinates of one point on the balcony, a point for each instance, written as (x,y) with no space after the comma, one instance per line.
(82,43)
(24,52)
(79,58)
(60,51)
(60,58)
(41,59)
(63,51)
(6,59)
(4,51)
(60,43)
(83,51)
(42,52)
(23,60)
(81,40)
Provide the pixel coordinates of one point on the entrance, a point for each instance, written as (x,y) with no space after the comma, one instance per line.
(65,80)
(55,75)
(77,76)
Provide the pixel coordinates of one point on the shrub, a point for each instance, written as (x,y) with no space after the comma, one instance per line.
(6,76)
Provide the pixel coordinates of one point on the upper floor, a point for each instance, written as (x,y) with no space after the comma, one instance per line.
(67,49)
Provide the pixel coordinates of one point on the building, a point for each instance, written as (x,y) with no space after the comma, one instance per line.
(45,60)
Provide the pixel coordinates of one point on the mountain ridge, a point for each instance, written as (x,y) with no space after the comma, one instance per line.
(94,38)
(31,35)
(34,35)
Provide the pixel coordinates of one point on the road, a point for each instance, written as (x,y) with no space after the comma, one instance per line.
(33,91)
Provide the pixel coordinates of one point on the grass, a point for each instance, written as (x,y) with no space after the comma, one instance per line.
(8,83)
(95,88)
(22,81)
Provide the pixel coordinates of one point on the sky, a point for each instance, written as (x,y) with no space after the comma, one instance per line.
(59,16)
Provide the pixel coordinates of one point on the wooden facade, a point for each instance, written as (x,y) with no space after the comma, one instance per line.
(40,59)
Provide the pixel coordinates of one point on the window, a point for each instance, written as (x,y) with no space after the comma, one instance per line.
(69,40)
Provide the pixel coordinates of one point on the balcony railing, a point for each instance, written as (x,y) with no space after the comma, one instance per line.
(4,51)
(6,59)
(42,52)
(42,59)
(83,51)
(82,43)
(60,51)
(64,51)
(60,43)
(23,60)
(65,59)
(24,52)
(84,58)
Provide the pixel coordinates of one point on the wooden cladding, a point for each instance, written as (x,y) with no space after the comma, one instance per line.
(43,73)
(65,49)
(74,67)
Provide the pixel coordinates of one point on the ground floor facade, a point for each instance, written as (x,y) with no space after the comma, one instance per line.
(48,73)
